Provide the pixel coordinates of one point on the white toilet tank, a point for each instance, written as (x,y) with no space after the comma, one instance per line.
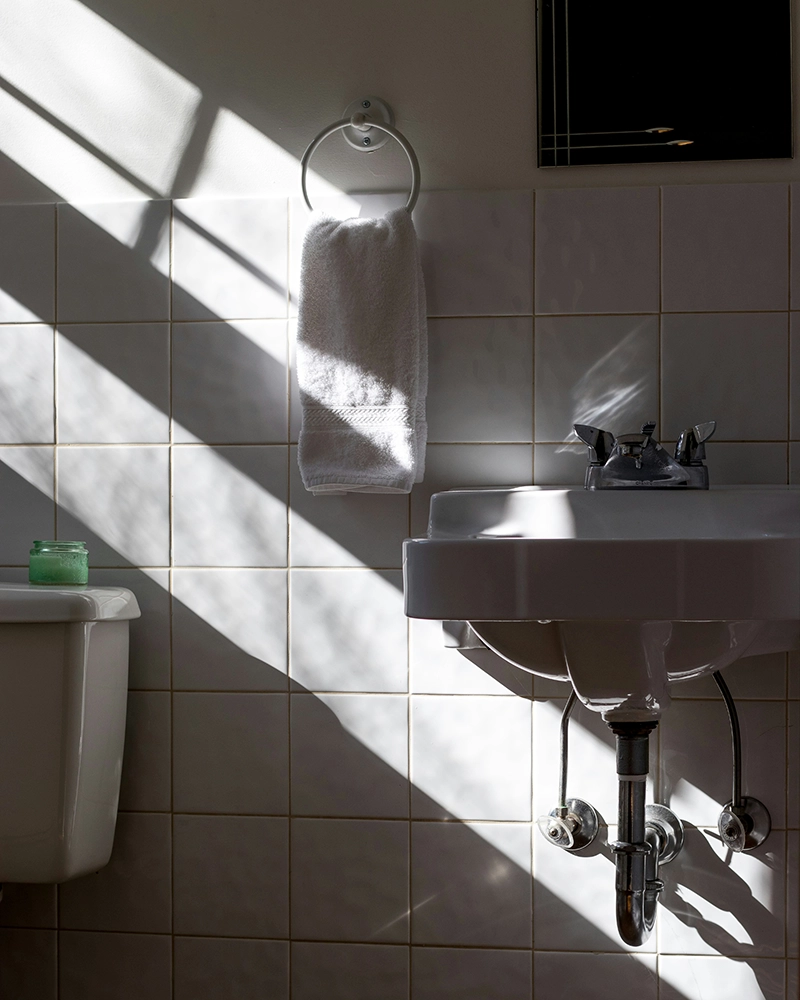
(63,696)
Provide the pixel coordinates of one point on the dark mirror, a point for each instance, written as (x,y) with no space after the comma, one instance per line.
(635,81)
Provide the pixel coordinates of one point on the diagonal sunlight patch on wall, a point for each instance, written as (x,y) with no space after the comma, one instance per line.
(687,798)
(11,306)
(611,387)
(716,915)
(124,221)
(233,146)
(223,251)
(101,83)
(54,159)
(26,383)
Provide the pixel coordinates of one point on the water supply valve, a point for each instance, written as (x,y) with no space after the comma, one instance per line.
(572,827)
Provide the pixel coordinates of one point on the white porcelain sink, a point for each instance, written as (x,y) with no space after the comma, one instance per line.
(620,591)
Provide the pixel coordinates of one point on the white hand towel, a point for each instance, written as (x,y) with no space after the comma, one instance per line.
(362,356)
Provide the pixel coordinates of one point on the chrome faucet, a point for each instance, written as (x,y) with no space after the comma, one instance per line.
(638,461)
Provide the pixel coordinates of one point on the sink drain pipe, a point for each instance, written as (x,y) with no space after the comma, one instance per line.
(649,835)
(636,894)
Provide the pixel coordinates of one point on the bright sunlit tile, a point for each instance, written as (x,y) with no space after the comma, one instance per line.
(113,383)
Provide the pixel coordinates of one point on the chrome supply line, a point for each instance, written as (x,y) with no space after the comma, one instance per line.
(573,824)
(744,822)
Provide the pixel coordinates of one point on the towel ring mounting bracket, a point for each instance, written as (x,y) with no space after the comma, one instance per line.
(376,110)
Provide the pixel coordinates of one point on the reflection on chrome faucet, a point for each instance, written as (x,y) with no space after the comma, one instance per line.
(638,461)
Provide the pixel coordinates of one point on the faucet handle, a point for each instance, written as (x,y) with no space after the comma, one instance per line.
(599,442)
(690,449)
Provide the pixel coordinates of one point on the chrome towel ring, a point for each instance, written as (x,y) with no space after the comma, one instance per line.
(364,123)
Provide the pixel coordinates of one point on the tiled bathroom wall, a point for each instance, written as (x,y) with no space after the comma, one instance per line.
(319,800)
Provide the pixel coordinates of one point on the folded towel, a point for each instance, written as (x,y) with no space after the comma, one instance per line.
(362,356)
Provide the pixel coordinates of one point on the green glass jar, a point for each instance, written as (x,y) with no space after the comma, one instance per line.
(59,563)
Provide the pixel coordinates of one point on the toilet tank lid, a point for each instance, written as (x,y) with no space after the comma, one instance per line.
(26,602)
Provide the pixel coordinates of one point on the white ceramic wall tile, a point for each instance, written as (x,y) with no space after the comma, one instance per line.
(716,902)
(113,262)
(793,765)
(481,379)
(792,985)
(26,492)
(792,894)
(477,252)
(26,382)
(350,880)
(471,885)
(229,382)
(348,631)
(295,409)
(597,250)
(27,263)
(149,653)
(599,370)
(612,977)
(794,374)
(725,247)
(231,753)
(29,904)
(794,464)
(559,464)
(746,464)
(794,675)
(350,755)
(113,383)
(231,876)
(760,677)
(451,465)
(133,892)
(117,500)
(230,259)
(794,195)
(684,978)
(349,971)
(471,757)
(229,629)
(561,920)
(736,374)
(696,784)
(122,966)
(457,973)
(28,964)
(229,506)
(439,669)
(231,969)
(146,784)
(359,529)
